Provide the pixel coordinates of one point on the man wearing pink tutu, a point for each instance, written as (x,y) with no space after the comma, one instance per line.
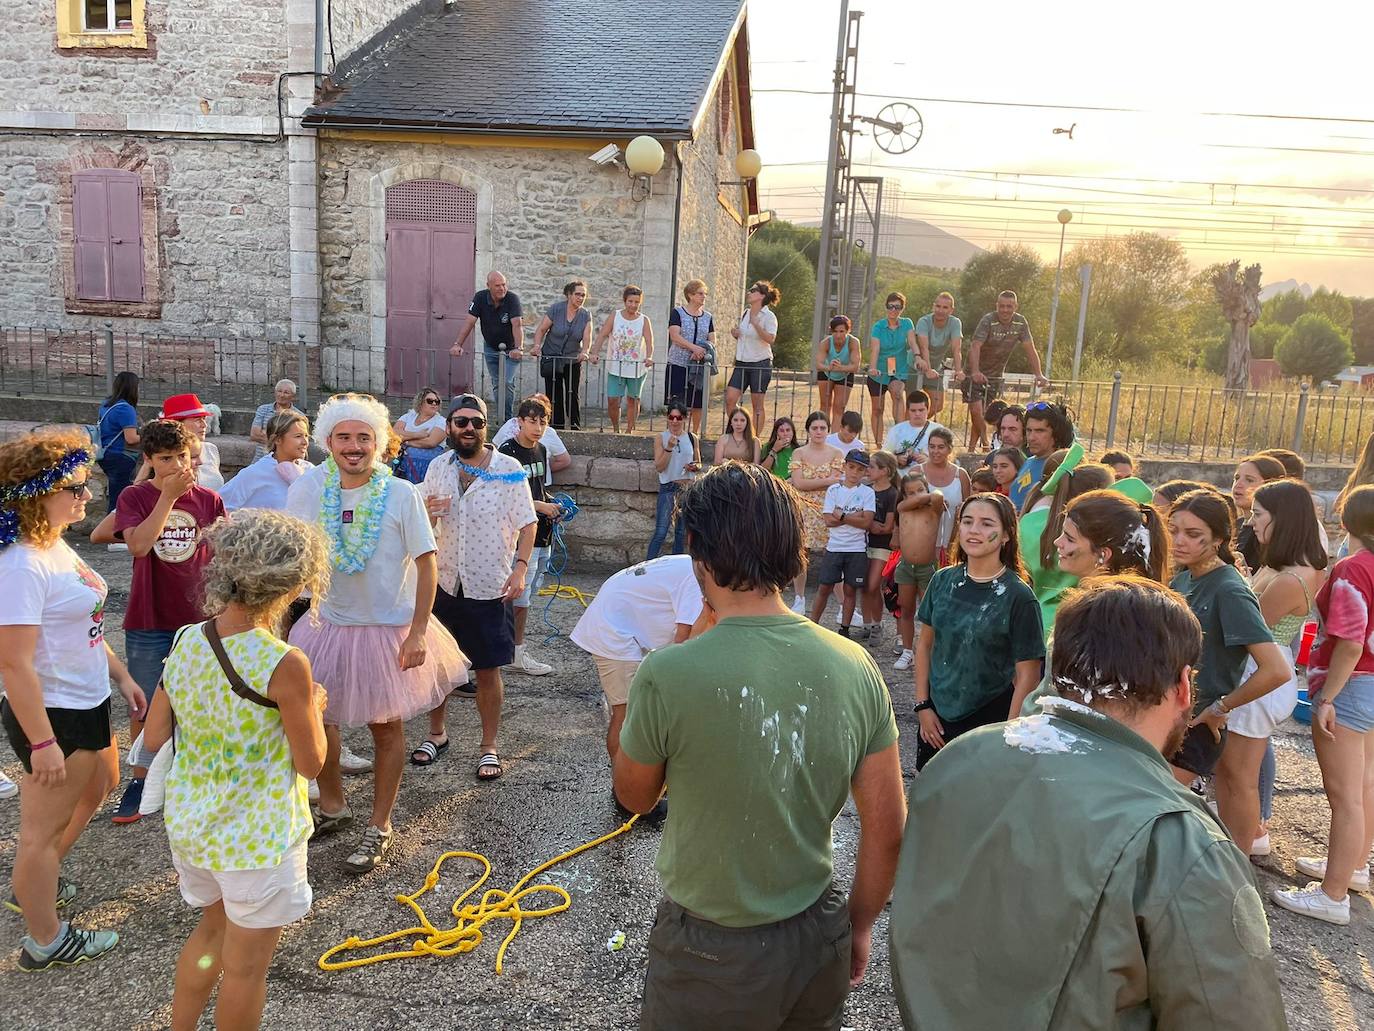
(377,650)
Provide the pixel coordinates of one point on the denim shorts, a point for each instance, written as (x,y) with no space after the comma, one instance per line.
(1355,704)
(146,651)
(534,576)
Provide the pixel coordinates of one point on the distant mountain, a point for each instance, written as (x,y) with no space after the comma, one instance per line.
(915,242)
(1287,286)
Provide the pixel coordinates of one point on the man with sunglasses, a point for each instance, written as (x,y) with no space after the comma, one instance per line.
(1048,428)
(998,334)
(479,500)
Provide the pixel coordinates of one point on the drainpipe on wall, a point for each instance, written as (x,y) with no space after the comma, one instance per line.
(677,227)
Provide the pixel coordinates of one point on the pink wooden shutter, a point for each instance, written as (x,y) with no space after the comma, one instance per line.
(126,237)
(90,217)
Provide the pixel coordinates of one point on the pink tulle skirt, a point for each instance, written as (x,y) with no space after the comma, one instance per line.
(360,668)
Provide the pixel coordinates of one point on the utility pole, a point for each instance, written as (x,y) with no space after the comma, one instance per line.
(1083,289)
(830,262)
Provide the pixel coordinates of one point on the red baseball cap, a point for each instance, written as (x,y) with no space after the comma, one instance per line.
(184,406)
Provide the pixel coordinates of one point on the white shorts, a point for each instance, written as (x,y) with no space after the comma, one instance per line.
(1260,718)
(616,676)
(274,897)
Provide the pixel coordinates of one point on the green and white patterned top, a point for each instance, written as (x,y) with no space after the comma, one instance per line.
(234,799)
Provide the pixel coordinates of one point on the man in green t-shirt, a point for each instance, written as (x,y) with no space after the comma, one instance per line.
(762,725)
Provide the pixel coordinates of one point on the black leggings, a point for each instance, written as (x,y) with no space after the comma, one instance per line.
(994,711)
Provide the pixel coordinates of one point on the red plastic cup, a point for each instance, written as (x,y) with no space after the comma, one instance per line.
(1309,634)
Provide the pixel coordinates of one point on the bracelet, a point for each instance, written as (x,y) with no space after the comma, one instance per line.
(1218,708)
(524,560)
(43,744)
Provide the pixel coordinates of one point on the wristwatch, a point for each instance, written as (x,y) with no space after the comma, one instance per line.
(919,706)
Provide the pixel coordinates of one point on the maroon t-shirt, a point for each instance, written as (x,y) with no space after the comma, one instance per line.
(166,589)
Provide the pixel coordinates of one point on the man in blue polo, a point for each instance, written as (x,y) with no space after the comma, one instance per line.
(497,308)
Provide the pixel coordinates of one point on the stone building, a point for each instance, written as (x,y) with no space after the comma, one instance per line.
(218,170)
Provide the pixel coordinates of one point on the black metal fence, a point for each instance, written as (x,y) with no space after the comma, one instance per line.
(1187,422)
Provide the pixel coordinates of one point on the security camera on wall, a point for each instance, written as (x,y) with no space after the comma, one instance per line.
(607,155)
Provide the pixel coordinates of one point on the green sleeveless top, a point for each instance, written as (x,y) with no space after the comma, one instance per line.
(1288,627)
(841,355)
(234,799)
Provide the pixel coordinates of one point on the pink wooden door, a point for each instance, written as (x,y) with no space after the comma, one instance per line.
(430,278)
(108,223)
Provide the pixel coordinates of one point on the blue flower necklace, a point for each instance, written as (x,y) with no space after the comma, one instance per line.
(351,548)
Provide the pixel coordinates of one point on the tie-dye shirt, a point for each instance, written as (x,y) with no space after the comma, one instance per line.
(234,798)
(1343,606)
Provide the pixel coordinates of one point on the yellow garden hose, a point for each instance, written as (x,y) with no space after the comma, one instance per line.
(466,935)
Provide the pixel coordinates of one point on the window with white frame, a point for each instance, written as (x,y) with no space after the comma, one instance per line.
(107,15)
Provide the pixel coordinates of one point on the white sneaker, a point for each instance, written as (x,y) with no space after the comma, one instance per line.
(898,647)
(527,663)
(1260,846)
(117,546)
(8,788)
(1314,867)
(313,792)
(839,617)
(905,659)
(1312,901)
(350,762)
(799,605)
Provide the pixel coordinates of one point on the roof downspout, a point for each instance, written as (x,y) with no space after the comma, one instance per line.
(677,226)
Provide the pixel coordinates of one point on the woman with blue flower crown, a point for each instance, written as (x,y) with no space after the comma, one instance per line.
(376,648)
(57,671)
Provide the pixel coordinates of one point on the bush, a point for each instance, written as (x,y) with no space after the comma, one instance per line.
(1313,347)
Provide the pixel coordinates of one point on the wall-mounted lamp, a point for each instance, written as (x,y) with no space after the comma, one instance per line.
(748,165)
(644,159)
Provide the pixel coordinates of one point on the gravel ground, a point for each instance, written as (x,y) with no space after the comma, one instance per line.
(558,972)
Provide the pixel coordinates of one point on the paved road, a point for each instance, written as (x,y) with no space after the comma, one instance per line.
(558,973)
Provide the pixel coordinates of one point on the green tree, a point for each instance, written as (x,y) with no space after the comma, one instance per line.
(1285,308)
(793,272)
(1265,337)
(1334,305)
(1013,267)
(1362,329)
(1313,347)
(1137,298)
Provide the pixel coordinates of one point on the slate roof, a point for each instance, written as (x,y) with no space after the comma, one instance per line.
(548,67)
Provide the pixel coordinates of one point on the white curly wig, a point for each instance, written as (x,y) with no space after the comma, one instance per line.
(350,408)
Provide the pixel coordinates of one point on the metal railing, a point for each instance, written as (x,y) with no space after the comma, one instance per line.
(1162,421)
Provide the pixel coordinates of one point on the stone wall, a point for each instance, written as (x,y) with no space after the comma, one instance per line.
(545,215)
(713,242)
(217,58)
(357,21)
(221,262)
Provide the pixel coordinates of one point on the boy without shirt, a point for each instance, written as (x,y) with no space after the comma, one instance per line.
(161,520)
(918,528)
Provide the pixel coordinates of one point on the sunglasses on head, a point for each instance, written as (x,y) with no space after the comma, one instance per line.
(464,421)
(1041,406)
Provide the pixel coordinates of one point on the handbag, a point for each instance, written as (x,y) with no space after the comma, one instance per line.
(236,683)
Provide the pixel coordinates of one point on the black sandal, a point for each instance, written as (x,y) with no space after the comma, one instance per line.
(427,754)
(489,761)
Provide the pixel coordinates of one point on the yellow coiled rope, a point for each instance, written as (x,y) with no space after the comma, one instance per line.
(466,935)
(567,591)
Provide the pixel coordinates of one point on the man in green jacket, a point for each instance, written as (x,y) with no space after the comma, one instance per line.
(1054,875)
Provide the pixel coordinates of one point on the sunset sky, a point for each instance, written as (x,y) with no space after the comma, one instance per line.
(1293,193)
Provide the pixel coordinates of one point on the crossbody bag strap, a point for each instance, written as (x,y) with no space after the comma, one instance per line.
(236,683)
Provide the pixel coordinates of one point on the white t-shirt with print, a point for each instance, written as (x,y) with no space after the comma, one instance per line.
(903,435)
(638,609)
(839,498)
(52,589)
(383,594)
(552,442)
(750,346)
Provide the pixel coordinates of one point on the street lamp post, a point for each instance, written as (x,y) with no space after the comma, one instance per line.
(1065,216)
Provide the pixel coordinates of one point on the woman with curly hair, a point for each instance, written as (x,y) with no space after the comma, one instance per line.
(249,733)
(979,644)
(57,671)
